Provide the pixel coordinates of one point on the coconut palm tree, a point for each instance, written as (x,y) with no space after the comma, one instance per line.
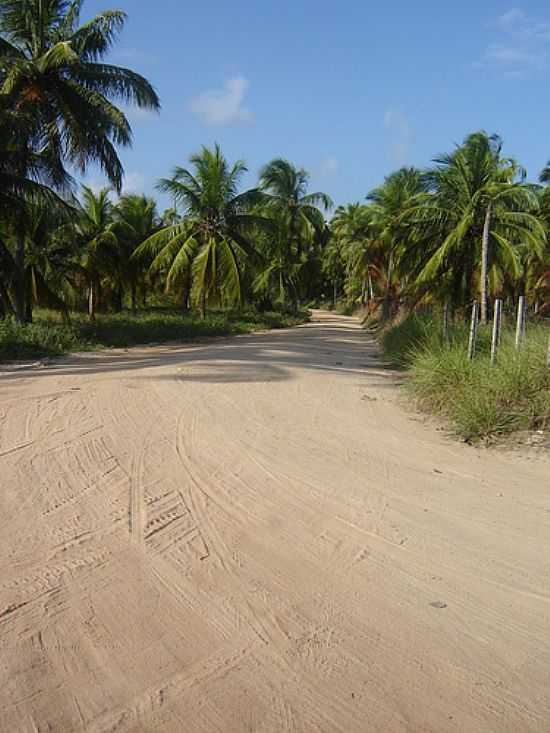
(211,242)
(49,261)
(388,204)
(286,187)
(97,242)
(476,214)
(53,74)
(26,178)
(53,69)
(278,274)
(136,220)
(357,236)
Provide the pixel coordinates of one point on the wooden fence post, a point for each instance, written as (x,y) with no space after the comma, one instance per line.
(473,330)
(446,323)
(497,329)
(520,325)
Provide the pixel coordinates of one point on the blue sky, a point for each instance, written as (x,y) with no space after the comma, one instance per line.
(349,90)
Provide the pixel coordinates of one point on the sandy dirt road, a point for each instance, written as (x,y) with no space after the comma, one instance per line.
(252,535)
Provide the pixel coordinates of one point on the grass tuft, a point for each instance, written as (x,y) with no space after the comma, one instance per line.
(481,400)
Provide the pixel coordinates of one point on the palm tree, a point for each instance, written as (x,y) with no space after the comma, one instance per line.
(333,264)
(211,243)
(359,245)
(53,69)
(136,220)
(53,75)
(388,204)
(49,261)
(478,210)
(97,242)
(286,187)
(536,265)
(26,177)
(278,274)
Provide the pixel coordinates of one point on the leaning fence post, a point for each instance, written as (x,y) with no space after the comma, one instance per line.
(520,325)
(473,331)
(497,329)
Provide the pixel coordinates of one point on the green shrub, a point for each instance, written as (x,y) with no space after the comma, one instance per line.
(481,400)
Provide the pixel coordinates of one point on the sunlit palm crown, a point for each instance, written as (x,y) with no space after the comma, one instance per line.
(449,218)
(213,237)
(53,71)
(287,188)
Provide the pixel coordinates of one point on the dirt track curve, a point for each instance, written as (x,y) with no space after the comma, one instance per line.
(252,535)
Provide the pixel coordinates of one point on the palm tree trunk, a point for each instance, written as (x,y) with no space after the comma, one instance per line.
(386,305)
(28,297)
(118,296)
(335,293)
(6,306)
(185,299)
(20,279)
(485,263)
(92,300)
(134,297)
(371,289)
(203,305)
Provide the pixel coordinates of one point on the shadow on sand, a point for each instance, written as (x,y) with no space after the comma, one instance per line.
(329,343)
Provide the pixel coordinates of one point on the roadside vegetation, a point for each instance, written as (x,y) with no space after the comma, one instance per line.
(482,401)
(48,336)
(468,228)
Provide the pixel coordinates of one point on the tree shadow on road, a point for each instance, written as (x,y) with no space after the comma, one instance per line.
(340,348)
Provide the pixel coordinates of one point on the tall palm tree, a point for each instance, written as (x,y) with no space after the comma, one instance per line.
(477,212)
(49,260)
(359,245)
(211,243)
(52,73)
(278,274)
(97,242)
(53,69)
(286,187)
(26,177)
(388,203)
(136,220)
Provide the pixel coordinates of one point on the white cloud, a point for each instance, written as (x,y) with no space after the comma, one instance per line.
(511,18)
(134,182)
(329,166)
(521,47)
(223,106)
(401,135)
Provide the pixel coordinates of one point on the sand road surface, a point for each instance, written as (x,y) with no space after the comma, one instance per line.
(252,535)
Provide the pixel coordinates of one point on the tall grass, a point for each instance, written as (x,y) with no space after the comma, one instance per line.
(47,336)
(481,400)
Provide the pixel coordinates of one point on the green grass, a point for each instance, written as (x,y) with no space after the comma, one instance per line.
(482,401)
(47,336)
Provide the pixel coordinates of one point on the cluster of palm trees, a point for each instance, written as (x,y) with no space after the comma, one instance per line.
(469,228)
(58,114)
(262,244)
